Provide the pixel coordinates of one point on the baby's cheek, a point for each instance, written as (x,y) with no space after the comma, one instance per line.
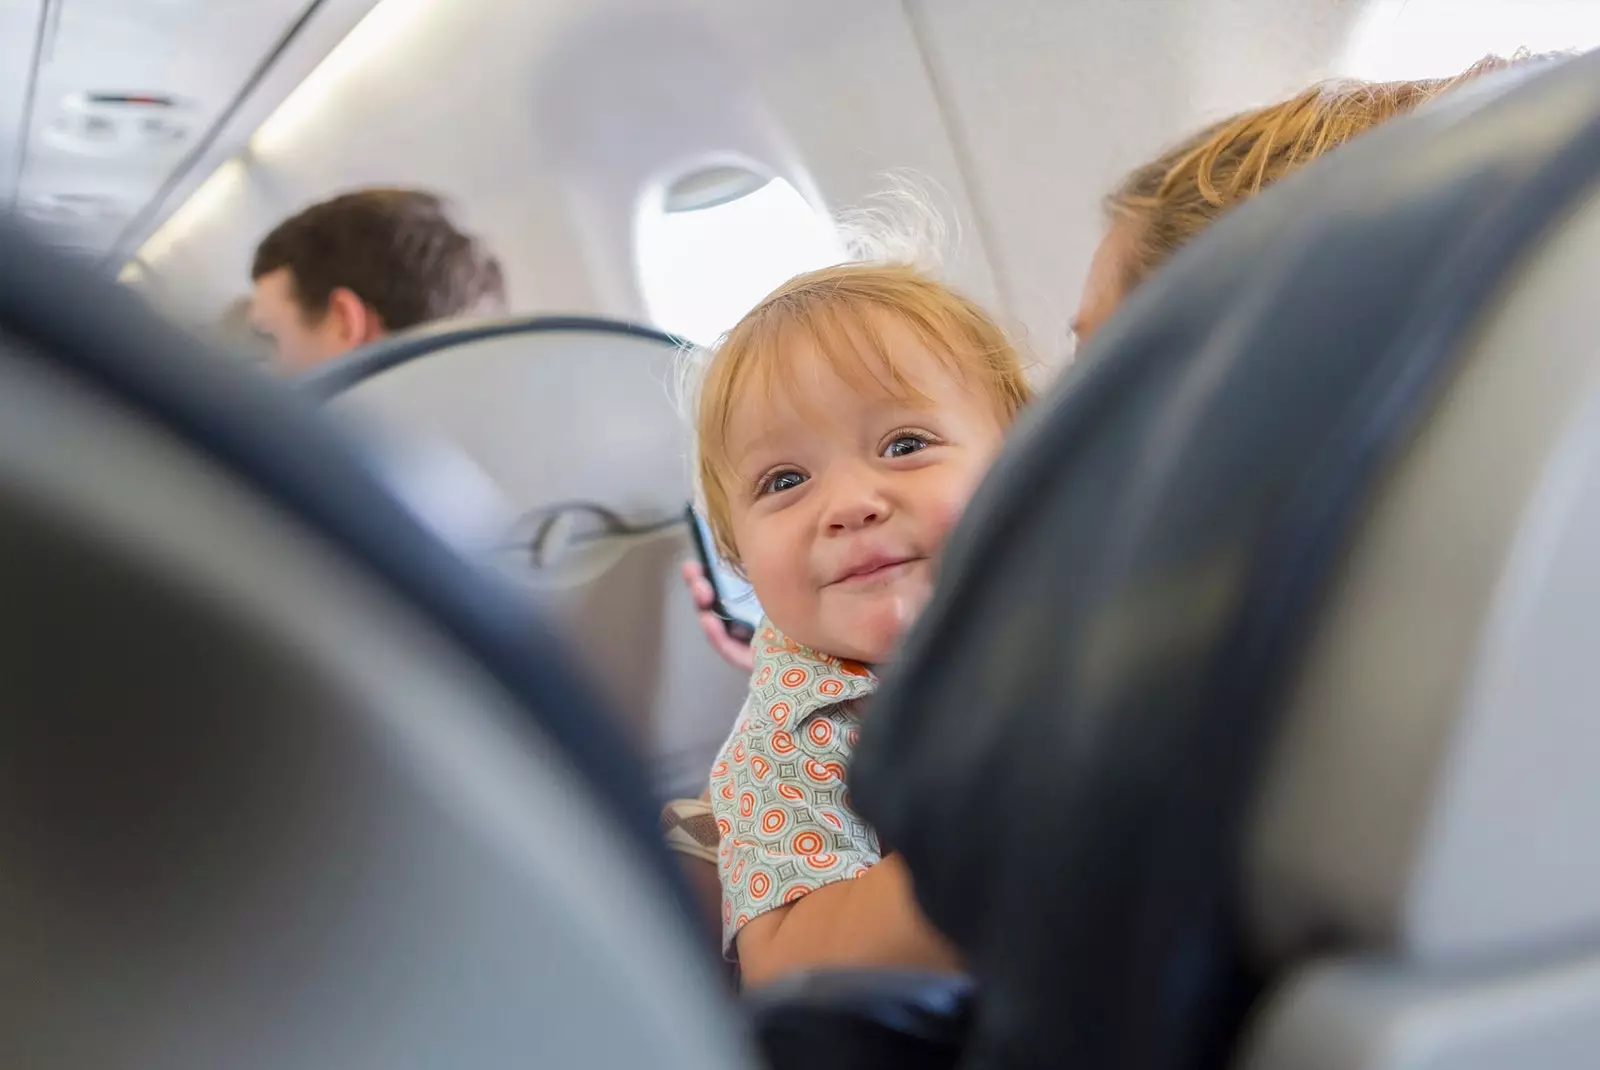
(960,488)
(949,507)
(785,599)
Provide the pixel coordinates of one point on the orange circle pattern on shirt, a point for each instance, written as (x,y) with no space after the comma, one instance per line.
(795,812)
(823,771)
(806,843)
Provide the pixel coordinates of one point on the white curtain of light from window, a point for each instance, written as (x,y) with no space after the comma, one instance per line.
(700,270)
(1396,39)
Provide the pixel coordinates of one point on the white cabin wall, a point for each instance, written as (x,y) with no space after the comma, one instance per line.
(854,92)
(1051,101)
(468,99)
(831,96)
(545,120)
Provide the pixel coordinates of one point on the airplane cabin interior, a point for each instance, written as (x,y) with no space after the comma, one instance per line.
(459,694)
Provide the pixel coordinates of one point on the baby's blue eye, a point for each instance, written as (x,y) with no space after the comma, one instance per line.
(782,481)
(904,446)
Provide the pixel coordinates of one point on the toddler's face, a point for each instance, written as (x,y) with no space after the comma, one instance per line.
(842,498)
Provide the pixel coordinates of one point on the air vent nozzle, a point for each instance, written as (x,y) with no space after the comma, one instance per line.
(118,123)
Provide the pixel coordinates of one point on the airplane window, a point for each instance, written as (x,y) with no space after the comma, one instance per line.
(715,242)
(1435,38)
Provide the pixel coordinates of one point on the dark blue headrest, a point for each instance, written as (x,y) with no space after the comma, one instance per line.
(1067,750)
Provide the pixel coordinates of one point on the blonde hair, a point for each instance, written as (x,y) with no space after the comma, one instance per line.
(1174,197)
(835,311)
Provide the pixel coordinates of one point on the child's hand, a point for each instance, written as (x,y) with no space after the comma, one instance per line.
(735,653)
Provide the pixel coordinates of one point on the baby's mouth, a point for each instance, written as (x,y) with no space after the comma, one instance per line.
(870,569)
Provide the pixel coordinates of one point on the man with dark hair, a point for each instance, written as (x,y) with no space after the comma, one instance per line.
(350,270)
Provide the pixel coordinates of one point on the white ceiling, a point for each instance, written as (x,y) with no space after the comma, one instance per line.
(209,56)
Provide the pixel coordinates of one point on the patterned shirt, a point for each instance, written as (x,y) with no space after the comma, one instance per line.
(777,788)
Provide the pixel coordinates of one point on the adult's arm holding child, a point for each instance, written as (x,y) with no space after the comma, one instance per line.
(871,921)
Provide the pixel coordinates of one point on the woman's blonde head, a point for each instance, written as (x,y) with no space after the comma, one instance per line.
(1169,201)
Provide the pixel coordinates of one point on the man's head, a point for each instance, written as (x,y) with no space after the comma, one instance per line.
(349,270)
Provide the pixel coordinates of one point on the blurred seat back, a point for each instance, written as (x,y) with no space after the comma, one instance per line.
(282,781)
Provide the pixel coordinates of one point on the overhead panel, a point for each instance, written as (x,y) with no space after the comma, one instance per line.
(124,92)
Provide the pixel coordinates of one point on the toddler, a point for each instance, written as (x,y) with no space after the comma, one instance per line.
(842,426)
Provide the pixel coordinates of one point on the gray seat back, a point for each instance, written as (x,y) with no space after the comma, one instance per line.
(572,427)
(1432,797)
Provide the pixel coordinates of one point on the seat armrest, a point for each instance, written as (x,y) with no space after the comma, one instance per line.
(849,1019)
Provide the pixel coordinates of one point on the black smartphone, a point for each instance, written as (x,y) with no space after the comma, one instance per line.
(733,599)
